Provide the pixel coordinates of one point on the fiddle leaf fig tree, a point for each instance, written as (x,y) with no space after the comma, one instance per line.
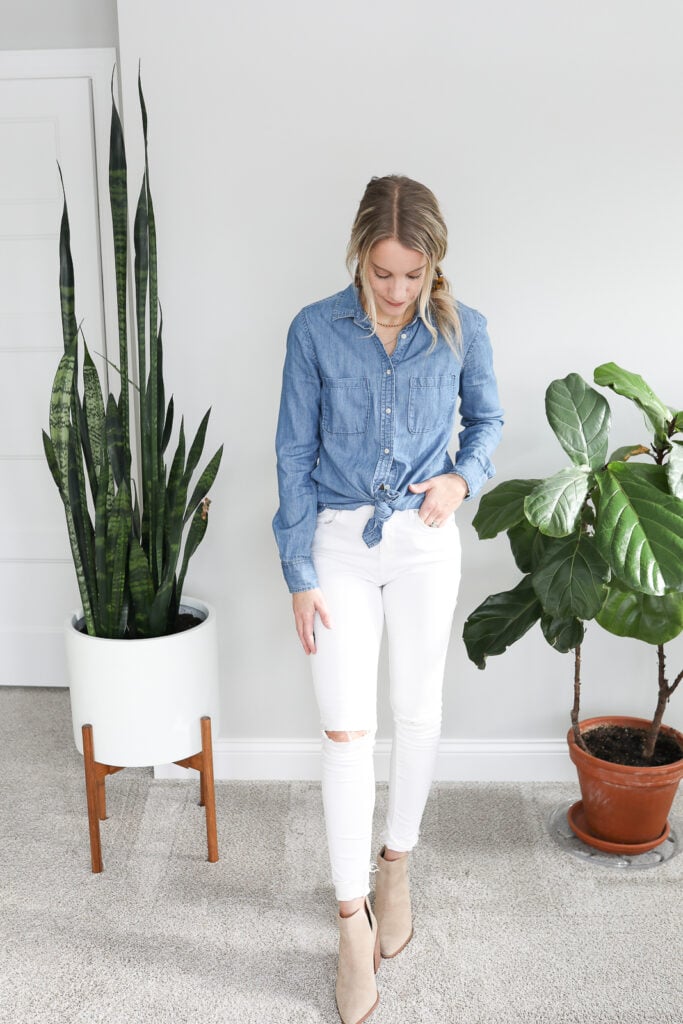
(129,537)
(602,538)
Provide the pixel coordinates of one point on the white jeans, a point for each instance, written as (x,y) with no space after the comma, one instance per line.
(410,580)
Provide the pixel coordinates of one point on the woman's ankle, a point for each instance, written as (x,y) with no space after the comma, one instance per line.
(347,908)
(390,855)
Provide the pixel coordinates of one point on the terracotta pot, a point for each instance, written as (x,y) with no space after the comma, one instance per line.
(623,804)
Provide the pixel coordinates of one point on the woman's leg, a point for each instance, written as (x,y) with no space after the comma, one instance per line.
(345,678)
(419,602)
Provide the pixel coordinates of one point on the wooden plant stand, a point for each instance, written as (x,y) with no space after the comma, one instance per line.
(96,773)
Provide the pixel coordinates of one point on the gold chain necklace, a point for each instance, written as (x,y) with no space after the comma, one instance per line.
(401,324)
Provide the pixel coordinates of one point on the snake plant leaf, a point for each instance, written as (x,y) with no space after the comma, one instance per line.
(93,407)
(177,468)
(141,588)
(628,451)
(204,484)
(60,412)
(118,535)
(563,634)
(118,198)
(528,545)
(674,469)
(632,386)
(137,530)
(500,621)
(554,506)
(168,425)
(640,527)
(161,393)
(66,275)
(116,442)
(84,439)
(141,249)
(580,418)
(502,507)
(655,620)
(82,536)
(52,460)
(570,578)
(196,449)
(195,535)
(160,611)
(102,505)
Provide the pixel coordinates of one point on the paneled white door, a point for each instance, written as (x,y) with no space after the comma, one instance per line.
(42,120)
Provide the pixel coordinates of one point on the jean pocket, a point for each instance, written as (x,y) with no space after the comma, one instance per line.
(327,516)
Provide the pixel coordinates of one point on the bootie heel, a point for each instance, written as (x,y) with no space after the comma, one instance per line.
(359,958)
(392,905)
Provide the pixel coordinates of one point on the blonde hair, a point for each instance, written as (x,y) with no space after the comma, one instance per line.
(398,207)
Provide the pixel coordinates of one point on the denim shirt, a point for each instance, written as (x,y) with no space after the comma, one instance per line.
(356,426)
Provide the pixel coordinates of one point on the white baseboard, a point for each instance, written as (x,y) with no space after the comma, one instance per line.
(532,760)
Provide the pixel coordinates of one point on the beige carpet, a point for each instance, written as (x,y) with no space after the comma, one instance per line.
(509,929)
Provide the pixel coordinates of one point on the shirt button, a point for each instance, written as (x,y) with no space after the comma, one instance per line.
(388,373)
(404,335)
(386,451)
(387,410)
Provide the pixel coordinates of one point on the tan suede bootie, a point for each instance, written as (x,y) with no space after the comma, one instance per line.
(359,958)
(392,905)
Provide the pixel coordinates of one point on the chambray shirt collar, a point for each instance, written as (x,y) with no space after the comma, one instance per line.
(349,305)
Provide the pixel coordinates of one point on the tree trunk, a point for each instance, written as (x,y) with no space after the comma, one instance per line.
(653,731)
(578,738)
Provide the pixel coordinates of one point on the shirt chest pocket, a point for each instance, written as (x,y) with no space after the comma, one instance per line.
(345,405)
(431,403)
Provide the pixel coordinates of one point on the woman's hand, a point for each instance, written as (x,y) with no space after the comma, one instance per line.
(305,604)
(442,496)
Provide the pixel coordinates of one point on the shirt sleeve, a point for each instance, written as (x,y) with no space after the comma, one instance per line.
(297,445)
(480,412)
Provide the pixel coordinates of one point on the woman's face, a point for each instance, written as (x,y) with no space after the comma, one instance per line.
(395,276)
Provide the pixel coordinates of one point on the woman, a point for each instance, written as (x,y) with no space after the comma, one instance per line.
(367,535)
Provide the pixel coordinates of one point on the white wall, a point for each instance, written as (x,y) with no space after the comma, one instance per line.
(45,24)
(551,135)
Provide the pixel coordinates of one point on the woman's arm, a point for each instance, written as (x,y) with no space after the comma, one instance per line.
(297,444)
(480,412)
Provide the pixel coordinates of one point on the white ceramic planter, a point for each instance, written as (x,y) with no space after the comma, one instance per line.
(144,698)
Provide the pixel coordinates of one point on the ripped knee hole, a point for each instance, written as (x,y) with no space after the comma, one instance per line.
(345,737)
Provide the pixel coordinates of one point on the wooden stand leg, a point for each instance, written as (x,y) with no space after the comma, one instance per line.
(96,773)
(94,806)
(203,763)
(208,794)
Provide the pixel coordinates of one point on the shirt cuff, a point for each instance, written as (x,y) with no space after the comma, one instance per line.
(300,575)
(474,475)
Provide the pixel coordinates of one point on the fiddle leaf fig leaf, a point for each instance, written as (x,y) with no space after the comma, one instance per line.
(629,451)
(554,506)
(499,621)
(528,545)
(640,527)
(655,620)
(502,507)
(674,469)
(580,418)
(564,634)
(570,579)
(631,385)
(678,422)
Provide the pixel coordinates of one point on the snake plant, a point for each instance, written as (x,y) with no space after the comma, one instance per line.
(600,539)
(128,535)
